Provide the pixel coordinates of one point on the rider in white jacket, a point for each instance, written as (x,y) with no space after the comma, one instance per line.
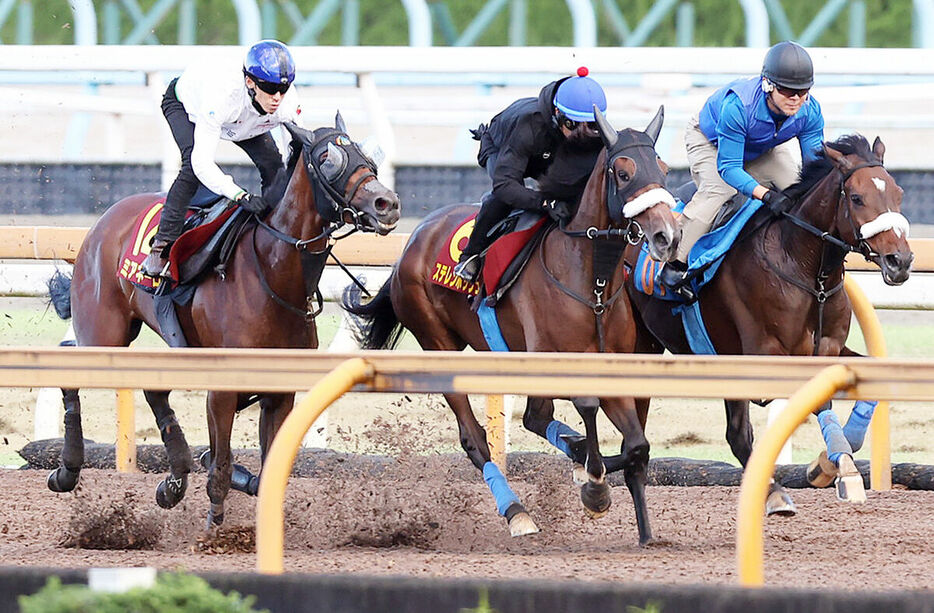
(208,103)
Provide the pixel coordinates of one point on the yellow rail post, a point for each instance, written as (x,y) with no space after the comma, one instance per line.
(880,465)
(271,496)
(126,432)
(761,465)
(496,429)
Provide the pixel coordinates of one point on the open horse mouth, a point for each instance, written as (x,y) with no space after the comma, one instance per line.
(895,267)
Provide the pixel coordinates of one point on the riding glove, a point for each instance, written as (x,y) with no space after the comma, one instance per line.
(778,202)
(252,203)
(558,210)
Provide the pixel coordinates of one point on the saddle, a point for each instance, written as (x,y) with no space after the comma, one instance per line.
(514,240)
(212,226)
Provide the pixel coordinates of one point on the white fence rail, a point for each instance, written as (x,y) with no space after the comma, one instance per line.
(420,106)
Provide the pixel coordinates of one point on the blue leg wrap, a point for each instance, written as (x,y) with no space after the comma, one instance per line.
(858,422)
(502,493)
(553,433)
(837,444)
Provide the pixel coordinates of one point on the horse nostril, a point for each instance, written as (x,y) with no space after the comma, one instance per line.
(382,204)
(893,260)
(661,240)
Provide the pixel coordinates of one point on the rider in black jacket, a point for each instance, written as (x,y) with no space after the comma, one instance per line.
(552,139)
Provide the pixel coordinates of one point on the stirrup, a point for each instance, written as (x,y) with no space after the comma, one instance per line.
(468,269)
(675,280)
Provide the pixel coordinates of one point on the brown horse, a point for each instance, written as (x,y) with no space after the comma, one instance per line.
(560,302)
(778,289)
(271,279)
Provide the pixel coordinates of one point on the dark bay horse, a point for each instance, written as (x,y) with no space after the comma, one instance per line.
(263,301)
(557,304)
(779,288)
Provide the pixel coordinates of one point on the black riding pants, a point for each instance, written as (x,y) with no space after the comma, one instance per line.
(492,211)
(261,149)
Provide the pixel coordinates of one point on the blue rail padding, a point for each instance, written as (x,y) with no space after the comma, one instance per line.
(837,445)
(490,326)
(553,433)
(502,493)
(858,422)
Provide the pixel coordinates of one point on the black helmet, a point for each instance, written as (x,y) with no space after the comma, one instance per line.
(789,65)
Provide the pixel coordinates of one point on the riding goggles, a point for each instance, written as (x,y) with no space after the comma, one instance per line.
(572,125)
(272,88)
(790,93)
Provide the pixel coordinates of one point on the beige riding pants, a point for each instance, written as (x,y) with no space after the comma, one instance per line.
(779,167)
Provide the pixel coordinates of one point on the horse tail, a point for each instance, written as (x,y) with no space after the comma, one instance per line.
(60,294)
(379,328)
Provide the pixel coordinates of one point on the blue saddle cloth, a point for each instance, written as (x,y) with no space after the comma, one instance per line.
(707,254)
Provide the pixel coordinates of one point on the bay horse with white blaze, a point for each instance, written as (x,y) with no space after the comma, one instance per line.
(560,302)
(779,291)
(262,301)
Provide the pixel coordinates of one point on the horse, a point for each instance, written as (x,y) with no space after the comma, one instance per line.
(560,302)
(777,291)
(264,299)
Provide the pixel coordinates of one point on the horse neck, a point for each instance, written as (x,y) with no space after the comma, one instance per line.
(819,209)
(592,210)
(296,214)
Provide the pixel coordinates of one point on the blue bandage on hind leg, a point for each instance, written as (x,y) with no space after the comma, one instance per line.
(837,445)
(858,422)
(502,493)
(553,433)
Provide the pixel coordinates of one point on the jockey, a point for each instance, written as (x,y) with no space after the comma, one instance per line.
(210,102)
(553,139)
(741,142)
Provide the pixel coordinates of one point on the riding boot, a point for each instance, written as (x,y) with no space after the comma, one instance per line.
(673,278)
(156,263)
(469,263)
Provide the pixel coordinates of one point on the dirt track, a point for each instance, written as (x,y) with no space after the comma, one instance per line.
(416,522)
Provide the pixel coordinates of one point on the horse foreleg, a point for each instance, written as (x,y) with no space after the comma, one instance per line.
(65,477)
(837,462)
(635,457)
(222,407)
(172,489)
(739,436)
(539,418)
(595,493)
(473,440)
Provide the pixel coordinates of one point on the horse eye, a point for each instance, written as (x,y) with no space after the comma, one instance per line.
(856,199)
(623,175)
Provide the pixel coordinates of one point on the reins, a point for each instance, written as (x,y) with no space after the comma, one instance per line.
(313,262)
(828,264)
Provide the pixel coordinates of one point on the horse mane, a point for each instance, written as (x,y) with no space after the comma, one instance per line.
(820,167)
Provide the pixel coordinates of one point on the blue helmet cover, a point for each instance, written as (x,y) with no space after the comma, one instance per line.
(577,96)
(271,61)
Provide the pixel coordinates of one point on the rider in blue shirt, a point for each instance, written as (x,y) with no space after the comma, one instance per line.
(741,141)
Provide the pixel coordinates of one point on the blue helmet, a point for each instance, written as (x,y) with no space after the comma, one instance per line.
(577,96)
(270,61)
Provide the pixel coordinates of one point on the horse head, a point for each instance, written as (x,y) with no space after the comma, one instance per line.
(342,176)
(869,215)
(635,192)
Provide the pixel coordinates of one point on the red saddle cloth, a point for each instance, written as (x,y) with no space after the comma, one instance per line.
(498,258)
(144,229)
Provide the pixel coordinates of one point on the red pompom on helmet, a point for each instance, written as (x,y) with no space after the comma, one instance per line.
(582,71)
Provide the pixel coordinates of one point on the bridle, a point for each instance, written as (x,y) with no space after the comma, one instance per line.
(833,250)
(610,242)
(329,183)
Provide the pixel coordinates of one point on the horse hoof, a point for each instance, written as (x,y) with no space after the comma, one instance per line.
(850,486)
(596,498)
(521,524)
(579,474)
(215,515)
(821,472)
(781,504)
(170,491)
(205,459)
(63,479)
